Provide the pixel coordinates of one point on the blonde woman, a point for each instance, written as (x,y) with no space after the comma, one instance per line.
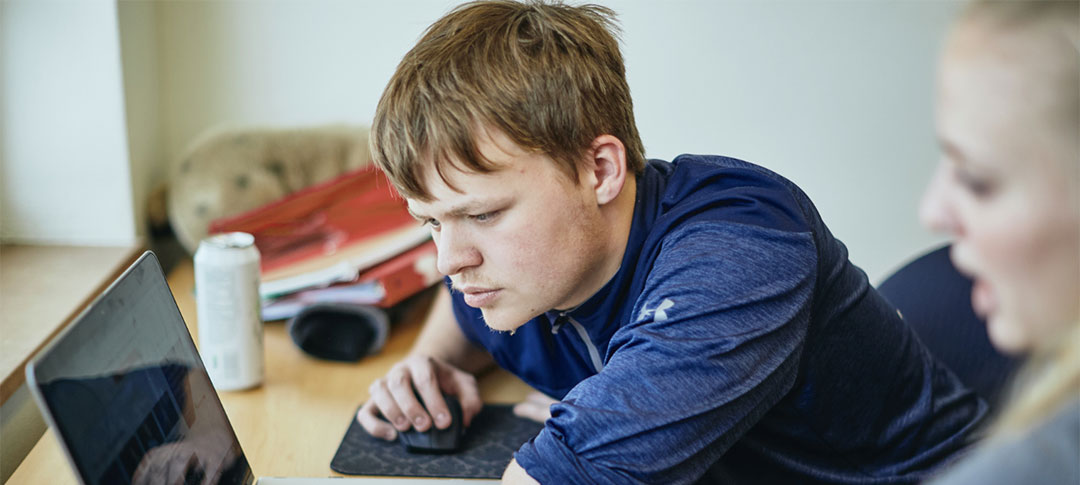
(1008,190)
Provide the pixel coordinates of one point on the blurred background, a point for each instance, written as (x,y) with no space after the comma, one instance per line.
(98,98)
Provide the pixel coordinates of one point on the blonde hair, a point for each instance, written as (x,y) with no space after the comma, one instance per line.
(1048,382)
(1050,379)
(1053,29)
(547,75)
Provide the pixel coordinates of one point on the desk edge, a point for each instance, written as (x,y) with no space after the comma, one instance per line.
(17,378)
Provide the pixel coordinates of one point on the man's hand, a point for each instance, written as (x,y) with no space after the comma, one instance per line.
(392,397)
(536,406)
(200,459)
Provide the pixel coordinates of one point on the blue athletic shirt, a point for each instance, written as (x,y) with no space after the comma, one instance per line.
(736,344)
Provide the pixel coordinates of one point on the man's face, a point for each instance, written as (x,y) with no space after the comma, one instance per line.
(518,241)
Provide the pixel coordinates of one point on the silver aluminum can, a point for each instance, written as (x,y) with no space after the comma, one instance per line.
(228,306)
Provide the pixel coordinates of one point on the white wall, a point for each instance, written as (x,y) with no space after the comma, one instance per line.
(64,174)
(279,62)
(835,95)
(139,54)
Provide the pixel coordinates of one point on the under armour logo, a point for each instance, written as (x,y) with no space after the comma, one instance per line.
(659,313)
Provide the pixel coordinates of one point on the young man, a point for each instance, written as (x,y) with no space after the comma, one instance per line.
(695,320)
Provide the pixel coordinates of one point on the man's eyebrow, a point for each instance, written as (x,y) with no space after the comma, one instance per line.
(468,208)
(474,206)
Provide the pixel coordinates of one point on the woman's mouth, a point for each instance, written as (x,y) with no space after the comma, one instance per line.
(983,299)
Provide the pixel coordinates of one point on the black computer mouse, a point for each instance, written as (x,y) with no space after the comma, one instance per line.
(436,440)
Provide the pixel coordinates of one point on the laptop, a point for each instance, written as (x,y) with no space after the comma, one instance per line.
(126,394)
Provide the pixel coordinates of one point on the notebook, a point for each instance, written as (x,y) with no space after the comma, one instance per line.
(127,396)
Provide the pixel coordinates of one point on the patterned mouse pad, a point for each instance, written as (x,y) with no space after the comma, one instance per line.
(486,449)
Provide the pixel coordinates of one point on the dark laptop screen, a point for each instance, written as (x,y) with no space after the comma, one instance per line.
(128,395)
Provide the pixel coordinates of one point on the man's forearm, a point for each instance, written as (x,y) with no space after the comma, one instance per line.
(442,339)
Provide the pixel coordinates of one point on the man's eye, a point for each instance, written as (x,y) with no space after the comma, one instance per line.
(431,222)
(487,216)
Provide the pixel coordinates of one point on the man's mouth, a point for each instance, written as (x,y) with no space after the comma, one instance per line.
(478,297)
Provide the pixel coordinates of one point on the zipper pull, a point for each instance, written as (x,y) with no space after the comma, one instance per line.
(557,319)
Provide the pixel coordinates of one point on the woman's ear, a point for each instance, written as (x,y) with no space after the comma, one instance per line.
(607,167)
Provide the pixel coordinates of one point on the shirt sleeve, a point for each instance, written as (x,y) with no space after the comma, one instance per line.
(716,340)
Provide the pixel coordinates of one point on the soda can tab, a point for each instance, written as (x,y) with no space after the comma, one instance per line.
(227,301)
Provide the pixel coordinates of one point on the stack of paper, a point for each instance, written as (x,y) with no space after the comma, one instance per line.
(349,240)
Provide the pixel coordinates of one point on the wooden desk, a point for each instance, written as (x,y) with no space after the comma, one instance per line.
(41,289)
(293,423)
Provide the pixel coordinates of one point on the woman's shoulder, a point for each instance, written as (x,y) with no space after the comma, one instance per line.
(1046,454)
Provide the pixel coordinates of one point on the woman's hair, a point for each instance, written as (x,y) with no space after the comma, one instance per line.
(547,75)
(1050,379)
(1046,37)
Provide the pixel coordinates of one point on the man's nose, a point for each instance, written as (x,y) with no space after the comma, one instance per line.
(456,252)
(937,210)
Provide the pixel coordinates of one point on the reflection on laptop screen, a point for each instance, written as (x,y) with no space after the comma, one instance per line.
(128,395)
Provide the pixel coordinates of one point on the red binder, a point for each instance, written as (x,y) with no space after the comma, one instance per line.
(405,275)
(350,223)
(384,286)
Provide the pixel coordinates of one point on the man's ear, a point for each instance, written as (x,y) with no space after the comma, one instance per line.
(608,168)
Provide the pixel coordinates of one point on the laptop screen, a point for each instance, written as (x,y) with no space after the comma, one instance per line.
(127,394)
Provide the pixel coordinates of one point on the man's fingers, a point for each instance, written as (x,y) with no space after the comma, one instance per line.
(384,401)
(217,467)
(541,399)
(536,406)
(373,425)
(533,411)
(400,383)
(468,394)
(425,377)
(144,472)
(411,396)
(181,461)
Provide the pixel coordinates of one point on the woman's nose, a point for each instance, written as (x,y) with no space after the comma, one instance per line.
(936,210)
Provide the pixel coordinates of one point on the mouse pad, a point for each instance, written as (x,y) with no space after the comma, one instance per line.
(487,447)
